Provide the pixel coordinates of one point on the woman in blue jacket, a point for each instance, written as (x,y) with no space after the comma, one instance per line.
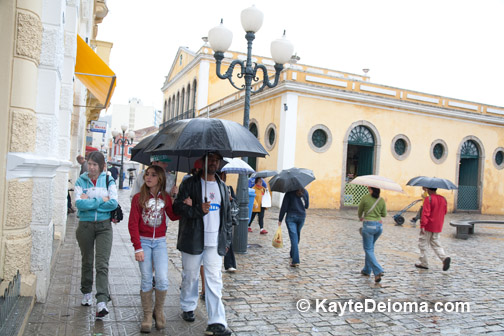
(294,204)
(95,200)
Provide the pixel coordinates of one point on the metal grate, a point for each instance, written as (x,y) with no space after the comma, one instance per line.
(8,301)
(353,194)
(467,198)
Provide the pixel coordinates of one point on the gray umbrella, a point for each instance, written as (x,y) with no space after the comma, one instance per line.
(264,173)
(432,182)
(291,179)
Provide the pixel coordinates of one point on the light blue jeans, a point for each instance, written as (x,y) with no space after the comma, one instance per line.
(371,230)
(212,265)
(155,253)
(294,225)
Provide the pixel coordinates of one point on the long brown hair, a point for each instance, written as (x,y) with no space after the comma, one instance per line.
(144,190)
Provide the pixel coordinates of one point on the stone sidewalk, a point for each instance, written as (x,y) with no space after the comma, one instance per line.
(265,295)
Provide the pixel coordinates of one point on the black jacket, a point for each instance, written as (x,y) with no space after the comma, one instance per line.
(191,228)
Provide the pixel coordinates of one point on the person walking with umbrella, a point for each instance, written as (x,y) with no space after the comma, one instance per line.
(292,182)
(370,212)
(294,204)
(204,236)
(431,225)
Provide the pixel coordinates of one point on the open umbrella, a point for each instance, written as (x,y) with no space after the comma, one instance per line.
(377,181)
(199,136)
(432,182)
(264,173)
(291,179)
(236,166)
(138,152)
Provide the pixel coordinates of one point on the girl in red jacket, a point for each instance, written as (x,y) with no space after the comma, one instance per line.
(147,227)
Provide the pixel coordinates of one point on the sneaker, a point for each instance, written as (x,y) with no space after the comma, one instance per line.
(101,309)
(249,229)
(294,265)
(263,231)
(87,299)
(413,220)
(231,270)
(217,329)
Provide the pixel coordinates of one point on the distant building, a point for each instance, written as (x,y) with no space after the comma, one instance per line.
(134,114)
(342,125)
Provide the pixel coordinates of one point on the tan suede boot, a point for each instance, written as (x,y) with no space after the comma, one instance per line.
(159,315)
(147,310)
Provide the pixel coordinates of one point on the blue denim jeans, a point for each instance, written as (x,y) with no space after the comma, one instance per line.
(294,223)
(155,254)
(371,230)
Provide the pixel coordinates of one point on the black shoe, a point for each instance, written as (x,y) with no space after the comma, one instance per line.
(446,263)
(188,316)
(363,273)
(421,266)
(217,329)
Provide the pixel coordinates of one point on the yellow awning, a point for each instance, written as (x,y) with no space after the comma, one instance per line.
(94,73)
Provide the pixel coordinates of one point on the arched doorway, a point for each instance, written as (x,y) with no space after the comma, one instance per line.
(360,160)
(468,181)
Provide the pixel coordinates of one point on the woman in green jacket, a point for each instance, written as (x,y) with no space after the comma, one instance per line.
(371,210)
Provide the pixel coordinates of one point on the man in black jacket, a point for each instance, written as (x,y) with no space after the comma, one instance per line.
(203,238)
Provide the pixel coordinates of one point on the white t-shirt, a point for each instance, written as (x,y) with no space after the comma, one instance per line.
(212,219)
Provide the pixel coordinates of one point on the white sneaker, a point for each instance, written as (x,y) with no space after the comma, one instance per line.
(101,309)
(231,270)
(87,299)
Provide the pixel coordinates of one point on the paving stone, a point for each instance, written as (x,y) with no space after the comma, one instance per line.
(261,297)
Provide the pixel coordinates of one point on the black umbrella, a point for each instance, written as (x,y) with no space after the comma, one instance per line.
(264,173)
(199,136)
(291,179)
(432,182)
(138,152)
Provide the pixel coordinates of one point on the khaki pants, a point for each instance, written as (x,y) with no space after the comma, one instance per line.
(432,239)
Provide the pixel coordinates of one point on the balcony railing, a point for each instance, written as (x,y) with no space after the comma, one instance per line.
(186,115)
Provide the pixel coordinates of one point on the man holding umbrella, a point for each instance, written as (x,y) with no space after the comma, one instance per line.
(431,225)
(204,236)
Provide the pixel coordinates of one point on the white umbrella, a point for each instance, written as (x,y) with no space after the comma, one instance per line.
(377,181)
(236,166)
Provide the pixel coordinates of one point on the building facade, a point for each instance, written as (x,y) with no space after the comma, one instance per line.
(44,113)
(342,125)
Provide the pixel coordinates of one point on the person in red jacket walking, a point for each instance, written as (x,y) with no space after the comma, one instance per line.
(147,228)
(431,225)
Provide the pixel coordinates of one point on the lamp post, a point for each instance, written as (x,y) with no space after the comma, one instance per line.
(220,39)
(123,141)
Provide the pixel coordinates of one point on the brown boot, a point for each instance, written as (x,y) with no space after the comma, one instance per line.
(147,309)
(159,315)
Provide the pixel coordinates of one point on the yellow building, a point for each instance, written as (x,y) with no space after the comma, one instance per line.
(342,125)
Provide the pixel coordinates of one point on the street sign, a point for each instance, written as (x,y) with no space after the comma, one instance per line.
(98,126)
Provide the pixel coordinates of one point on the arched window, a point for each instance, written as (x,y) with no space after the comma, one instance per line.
(188,97)
(469,150)
(193,102)
(182,101)
(177,108)
(360,135)
(165,111)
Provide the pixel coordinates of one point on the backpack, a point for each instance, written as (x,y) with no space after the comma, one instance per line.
(116,215)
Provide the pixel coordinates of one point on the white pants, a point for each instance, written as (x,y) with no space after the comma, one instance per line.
(432,239)
(212,265)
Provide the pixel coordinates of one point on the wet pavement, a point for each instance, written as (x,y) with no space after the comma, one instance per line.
(265,296)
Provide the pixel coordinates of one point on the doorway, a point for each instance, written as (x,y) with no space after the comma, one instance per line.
(468,183)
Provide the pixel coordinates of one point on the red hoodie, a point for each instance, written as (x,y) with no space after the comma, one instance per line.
(149,222)
(433,213)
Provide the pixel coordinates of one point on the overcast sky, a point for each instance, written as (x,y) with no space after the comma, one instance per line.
(444,47)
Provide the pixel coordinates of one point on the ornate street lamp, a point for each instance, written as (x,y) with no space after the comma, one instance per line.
(123,141)
(220,39)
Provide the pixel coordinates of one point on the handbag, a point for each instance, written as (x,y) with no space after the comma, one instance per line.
(277,238)
(116,215)
(266,199)
(234,208)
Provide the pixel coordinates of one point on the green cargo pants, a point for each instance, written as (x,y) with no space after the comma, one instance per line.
(87,233)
